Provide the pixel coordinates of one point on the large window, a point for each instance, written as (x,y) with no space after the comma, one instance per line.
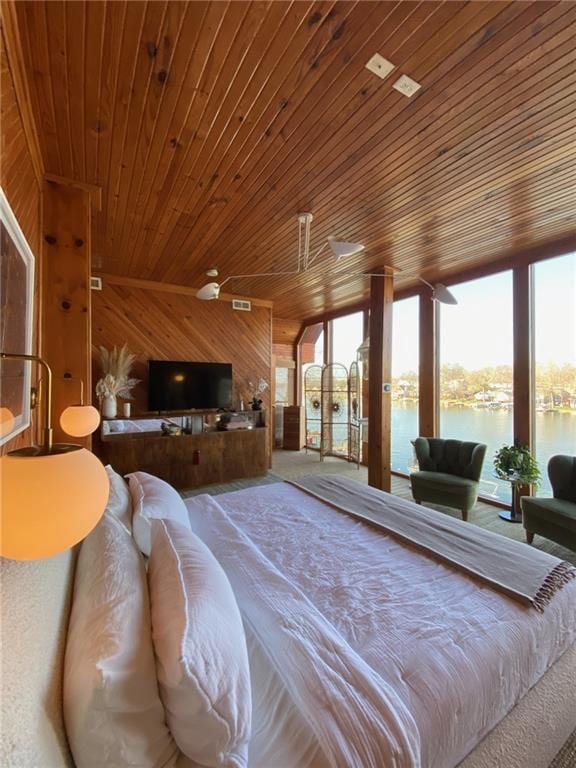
(404,382)
(476,358)
(347,336)
(555,358)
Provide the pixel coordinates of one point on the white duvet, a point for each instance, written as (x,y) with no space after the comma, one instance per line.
(392,658)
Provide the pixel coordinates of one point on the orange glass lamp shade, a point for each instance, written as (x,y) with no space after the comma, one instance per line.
(79,420)
(49,501)
(6,421)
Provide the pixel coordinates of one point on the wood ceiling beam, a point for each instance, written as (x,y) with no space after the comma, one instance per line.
(93,190)
(154,285)
(15,52)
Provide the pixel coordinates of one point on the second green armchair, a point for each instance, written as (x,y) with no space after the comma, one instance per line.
(449,472)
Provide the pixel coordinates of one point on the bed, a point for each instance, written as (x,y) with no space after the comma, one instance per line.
(445,666)
(363,651)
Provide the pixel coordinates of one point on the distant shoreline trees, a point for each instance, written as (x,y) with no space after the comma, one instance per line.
(555,385)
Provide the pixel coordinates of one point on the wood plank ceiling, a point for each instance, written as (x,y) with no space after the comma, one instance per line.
(210,125)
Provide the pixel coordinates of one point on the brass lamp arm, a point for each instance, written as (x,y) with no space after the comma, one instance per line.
(47,431)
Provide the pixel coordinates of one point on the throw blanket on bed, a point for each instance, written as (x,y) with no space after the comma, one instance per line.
(363,721)
(522,572)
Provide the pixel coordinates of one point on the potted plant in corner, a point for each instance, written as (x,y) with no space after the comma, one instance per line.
(115,382)
(516,464)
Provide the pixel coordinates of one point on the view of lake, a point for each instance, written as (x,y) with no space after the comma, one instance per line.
(555,432)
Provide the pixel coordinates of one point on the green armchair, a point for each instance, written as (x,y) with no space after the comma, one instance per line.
(554,518)
(449,472)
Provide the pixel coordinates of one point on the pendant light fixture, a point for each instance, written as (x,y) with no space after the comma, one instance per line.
(440,292)
(339,248)
(51,495)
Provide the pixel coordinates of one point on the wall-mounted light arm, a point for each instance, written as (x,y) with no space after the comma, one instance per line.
(47,429)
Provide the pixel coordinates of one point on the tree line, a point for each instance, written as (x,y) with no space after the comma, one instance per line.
(555,384)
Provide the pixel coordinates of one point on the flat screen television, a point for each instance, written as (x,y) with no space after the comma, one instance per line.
(181,386)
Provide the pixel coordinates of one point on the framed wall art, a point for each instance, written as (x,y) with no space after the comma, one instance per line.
(16,321)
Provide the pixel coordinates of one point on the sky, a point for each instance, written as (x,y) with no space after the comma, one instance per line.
(478,332)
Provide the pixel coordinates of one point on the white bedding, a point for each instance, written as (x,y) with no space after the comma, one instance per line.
(409,648)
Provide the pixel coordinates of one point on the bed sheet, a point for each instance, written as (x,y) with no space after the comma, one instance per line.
(459,654)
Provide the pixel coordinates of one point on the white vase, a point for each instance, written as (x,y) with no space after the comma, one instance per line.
(109,407)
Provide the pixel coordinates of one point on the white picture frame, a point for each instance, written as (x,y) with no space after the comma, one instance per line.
(16,323)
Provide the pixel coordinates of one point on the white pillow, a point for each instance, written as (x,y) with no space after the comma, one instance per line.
(200,646)
(153,498)
(119,502)
(112,707)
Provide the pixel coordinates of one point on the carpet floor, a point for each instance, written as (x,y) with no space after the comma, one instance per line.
(288,465)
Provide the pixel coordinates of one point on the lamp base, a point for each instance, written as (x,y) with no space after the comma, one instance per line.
(41,450)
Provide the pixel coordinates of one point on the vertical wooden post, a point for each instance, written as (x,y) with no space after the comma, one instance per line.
(523,354)
(297,353)
(328,339)
(428,366)
(380,380)
(66,337)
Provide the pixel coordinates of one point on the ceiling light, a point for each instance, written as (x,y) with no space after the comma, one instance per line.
(380,66)
(209,292)
(406,85)
(340,249)
(440,292)
(343,249)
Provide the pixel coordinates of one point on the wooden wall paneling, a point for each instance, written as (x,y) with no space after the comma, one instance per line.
(16,88)
(209,126)
(239,46)
(334,154)
(401,22)
(295,85)
(284,171)
(215,51)
(66,320)
(285,331)
(523,343)
(380,375)
(428,365)
(19,180)
(176,326)
(160,146)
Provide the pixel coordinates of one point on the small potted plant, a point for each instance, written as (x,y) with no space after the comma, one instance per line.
(516,464)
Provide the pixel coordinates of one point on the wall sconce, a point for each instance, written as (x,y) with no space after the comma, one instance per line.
(79,420)
(52,495)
